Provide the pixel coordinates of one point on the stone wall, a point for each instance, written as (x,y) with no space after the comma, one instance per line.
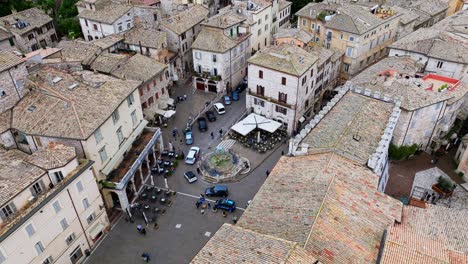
(12,86)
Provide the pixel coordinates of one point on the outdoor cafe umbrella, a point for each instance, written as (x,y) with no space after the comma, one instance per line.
(256,126)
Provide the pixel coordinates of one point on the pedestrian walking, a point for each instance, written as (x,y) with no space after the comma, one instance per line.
(202,211)
(143,231)
(185,97)
(282,153)
(212,135)
(139,228)
(234,219)
(224,214)
(197,204)
(145,256)
(209,206)
(267,173)
(220,133)
(198,170)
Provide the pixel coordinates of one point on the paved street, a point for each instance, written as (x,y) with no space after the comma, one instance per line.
(183,229)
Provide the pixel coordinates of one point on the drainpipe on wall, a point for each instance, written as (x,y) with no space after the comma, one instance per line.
(79,220)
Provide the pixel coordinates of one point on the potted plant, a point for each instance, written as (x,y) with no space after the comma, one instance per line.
(443,186)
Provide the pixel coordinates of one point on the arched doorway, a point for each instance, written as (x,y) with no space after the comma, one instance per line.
(115,199)
(200,84)
(212,86)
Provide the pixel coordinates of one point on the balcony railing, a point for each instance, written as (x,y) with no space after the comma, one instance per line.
(270,99)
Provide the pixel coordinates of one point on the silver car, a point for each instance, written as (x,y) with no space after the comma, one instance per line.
(192,155)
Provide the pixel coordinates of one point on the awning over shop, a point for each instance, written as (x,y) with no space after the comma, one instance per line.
(169,113)
(95,230)
(165,113)
(253,121)
(160,112)
(115,161)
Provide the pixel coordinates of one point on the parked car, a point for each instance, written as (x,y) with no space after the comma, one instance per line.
(219,107)
(244,81)
(190,176)
(217,190)
(241,87)
(189,138)
(202,125)
(192,155)
(235,95)
(227,100)
(225,204)
(210,115)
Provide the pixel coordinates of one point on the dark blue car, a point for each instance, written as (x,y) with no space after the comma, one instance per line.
(225,204)
(235,96)
(217,190)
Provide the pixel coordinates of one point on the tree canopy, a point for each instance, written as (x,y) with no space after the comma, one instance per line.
(62,11)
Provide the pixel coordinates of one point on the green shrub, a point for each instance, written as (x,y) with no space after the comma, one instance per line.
(321,16)
(445,185)
(402,152)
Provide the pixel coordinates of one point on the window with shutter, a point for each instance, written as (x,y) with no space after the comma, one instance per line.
(30,230)
(64,224)
(58,176)
(79,186)
(37,188)
(282,97)
(39,247)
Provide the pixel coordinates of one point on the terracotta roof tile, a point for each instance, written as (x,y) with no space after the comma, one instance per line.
(233,244)
(185,20)
(349,117)
(436,234)
(53,156)
(327,204)
(59,111)
(8,60)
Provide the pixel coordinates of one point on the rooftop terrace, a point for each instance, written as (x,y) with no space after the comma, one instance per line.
(399,77)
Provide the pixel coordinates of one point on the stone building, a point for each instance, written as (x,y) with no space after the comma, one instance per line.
(53,211)
(284,14)
(102,18)
(7,40)
(338,218)
(430,103)
(152,75)
(32,29)
(99,115)
(281,84)
(12,80)
(182,29)
(361,32)
(152,43)
(263,18)
(441,48)
(357,126)
(287,83)
(220,52)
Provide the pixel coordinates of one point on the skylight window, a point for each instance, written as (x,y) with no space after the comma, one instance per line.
(31,108)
